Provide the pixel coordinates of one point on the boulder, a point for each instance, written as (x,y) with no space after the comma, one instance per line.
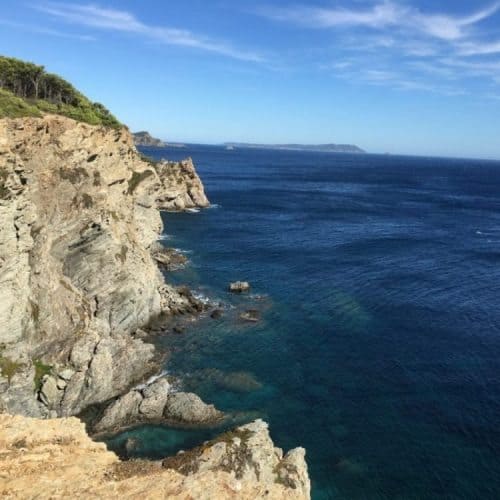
(188,408)
(239,287)
(50,394)
(155,398)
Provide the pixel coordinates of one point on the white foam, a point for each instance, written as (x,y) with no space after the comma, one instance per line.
(164,237)
(150,380)
(213,206)
(184,252)
(193,210)
(202,298)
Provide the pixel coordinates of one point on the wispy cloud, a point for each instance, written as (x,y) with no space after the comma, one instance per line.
(46,31)
(397,44)
(95,16)
(384,15)
(479,48)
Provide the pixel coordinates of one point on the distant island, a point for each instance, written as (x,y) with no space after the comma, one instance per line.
(144,138)
(322,148)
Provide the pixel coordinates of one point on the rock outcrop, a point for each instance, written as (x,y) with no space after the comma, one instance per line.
(80,218)
(144,138)
(56,459)
(239,287)
(79,283)
(181,187)
(157,403)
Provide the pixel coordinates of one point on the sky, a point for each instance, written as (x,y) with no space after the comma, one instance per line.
(399,76)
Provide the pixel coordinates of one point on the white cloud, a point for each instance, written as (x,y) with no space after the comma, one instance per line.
(479,48)
(385,14)
(400,45)
(98,17)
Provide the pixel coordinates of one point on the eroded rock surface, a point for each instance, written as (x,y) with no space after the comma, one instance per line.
(79,219)
(157,403)
(181,187)
(56,459)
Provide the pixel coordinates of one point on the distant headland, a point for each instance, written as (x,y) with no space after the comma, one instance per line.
(144,138)
(322,148)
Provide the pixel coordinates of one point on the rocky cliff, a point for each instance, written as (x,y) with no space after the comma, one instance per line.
(79,211)
(78,284)
(144,138)
(56,459)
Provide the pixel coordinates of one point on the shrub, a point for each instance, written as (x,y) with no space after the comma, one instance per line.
(41,370)
(9,368)
(27,90)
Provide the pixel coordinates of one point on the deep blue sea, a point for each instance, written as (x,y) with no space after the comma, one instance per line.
(378,281)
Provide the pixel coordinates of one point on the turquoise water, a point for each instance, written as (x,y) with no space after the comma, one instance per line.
(378,350)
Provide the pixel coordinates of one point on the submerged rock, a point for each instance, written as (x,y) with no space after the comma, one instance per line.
(169,258)
(217,314)
(239,287)
(231,381)
(252,316)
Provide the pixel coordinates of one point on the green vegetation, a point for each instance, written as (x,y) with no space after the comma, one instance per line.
(4,190)
(41,370)
(9,368)
(149,160)
(136,179)
(27,90)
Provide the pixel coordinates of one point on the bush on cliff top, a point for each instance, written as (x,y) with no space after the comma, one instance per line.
(27,90)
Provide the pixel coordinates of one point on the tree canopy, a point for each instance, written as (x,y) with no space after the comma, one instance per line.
(26,89)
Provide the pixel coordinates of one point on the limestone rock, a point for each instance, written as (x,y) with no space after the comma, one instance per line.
(239,287)
(154,399)
(120,413)
(141,404)
(247,453)
(49,392)
(188,408)
(55,459)
(180,187)
(80,219)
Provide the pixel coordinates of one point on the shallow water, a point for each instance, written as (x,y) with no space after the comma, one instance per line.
(379,344)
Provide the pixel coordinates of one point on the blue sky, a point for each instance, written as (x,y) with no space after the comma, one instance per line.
(415,76)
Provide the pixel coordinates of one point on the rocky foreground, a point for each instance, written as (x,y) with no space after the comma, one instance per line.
(79,284)
(56,459)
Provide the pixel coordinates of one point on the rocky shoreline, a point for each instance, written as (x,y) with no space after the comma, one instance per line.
(80,280)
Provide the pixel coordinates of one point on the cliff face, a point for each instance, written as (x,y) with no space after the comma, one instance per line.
(56,459)
(180,186)
(78,281)
(146,139)
(79,219)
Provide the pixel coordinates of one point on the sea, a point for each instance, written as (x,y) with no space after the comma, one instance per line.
(377,282)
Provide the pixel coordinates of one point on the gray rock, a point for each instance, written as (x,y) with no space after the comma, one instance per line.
(120,413)
(250,455)
(251,316)
(155,398)
(66,374)
(61,384)
(49,392)
(239,287)
(186,407)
